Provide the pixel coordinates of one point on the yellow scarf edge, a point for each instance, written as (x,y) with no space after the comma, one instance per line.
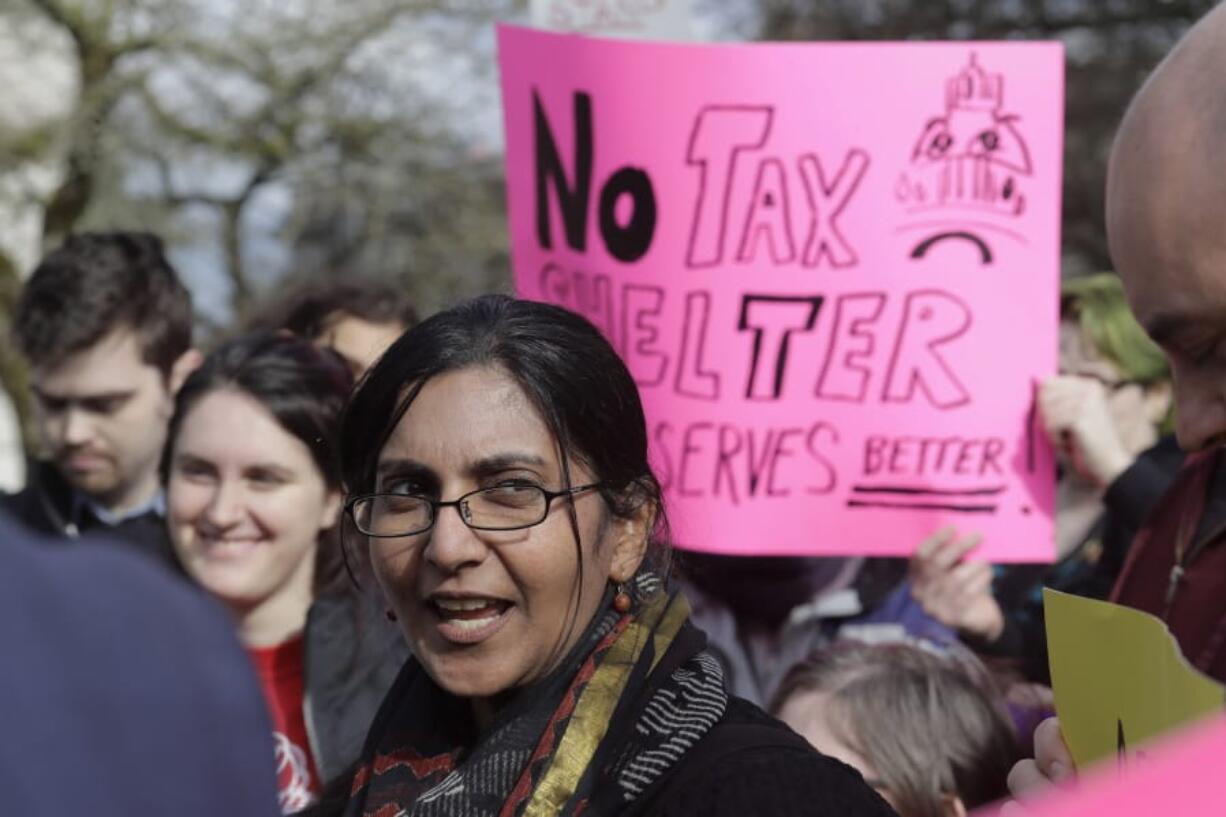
(590,720)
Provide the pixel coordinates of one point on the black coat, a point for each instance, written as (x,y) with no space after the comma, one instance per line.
(751,764)
(353,654)
(48,506)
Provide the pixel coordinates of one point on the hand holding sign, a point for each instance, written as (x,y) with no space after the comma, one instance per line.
(956,592)
(1179,777)
(1051,766)
(1119,678)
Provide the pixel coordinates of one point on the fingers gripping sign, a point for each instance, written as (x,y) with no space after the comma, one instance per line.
(954,591)
(1052,766)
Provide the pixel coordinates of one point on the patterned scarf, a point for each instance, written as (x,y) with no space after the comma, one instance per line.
(633,696)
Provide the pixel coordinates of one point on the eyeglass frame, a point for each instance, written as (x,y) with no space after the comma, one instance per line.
(461,505)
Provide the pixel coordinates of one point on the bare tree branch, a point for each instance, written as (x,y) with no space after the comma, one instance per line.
(57,13)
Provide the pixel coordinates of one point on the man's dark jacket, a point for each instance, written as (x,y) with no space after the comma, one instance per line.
(1176,568)
(49,506)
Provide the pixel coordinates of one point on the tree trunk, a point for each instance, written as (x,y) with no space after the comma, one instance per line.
(14,375)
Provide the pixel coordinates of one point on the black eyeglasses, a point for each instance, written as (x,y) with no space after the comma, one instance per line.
(501,507)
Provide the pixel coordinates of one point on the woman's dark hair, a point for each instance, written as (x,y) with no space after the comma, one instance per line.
(568,371)
(931,724)
(302,387)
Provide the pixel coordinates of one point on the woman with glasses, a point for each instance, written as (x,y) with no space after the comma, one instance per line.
(497,461)
(253,496)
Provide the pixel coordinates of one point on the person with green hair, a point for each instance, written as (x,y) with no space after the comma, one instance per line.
(1108,413)
(1096,307)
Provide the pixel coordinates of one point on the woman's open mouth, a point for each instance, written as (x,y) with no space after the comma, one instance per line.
(469,620)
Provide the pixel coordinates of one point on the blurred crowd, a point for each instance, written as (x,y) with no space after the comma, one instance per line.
(348,561)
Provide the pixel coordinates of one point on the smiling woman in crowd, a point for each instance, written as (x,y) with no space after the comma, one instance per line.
(497,462)
(253,496)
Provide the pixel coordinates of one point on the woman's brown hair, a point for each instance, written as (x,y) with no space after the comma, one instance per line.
(932,725)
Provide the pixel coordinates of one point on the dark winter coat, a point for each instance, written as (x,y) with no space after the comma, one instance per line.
(750,763)
(353,654)
(1177,566)
(49,506)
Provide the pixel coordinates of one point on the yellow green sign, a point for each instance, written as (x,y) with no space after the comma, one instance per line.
(1119,678)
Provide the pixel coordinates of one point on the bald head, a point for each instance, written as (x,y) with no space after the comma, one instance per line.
(1173,135)
(1166,221)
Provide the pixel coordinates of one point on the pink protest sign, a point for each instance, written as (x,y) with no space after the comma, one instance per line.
(1179,775)
(831,268)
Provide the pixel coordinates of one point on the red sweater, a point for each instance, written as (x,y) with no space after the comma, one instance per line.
(282,676)
(1176,568)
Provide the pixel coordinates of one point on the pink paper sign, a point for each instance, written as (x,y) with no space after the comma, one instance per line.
(831,268)
(1177,776)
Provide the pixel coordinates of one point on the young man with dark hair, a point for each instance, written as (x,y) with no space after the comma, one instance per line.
(358,318)
(105,325)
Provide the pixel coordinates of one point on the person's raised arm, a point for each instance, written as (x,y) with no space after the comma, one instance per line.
(955,592)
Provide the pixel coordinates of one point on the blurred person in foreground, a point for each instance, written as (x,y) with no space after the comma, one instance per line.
(123,691)
(1105,413)
(1165,209)
(496,457)
(253,495)
(106,327)
(356,317)
(927,729)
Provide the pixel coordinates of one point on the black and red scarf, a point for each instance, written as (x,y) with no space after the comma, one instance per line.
(633,696)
